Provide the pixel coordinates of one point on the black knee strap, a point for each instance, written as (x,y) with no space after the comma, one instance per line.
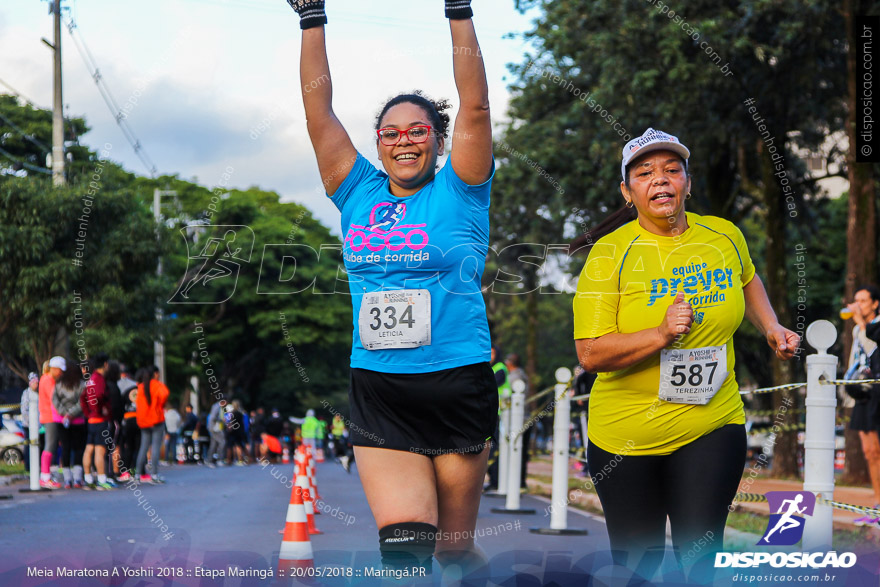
(408,544)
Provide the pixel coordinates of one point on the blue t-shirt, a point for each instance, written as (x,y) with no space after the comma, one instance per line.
(436,239)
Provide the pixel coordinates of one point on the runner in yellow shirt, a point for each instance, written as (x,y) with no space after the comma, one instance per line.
(656,307)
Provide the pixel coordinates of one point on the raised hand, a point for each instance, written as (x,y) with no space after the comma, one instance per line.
(311,12)
(458,9)
(678,320)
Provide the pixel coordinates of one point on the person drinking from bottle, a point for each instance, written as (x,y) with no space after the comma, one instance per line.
(656,307)
(423,396)
(865,417)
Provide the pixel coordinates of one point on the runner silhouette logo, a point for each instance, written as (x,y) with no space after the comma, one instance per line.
(215,254)
(786,526)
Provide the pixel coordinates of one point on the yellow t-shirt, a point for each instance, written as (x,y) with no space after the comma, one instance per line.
(629,280)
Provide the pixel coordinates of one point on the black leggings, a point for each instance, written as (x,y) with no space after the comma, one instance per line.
(130,439)
(73,444)
(693,486)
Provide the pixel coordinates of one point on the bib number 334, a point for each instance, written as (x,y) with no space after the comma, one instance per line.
(692,376)
(396,319)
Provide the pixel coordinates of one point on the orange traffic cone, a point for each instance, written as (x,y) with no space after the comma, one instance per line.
(285,456)
(313,479)
(310,512)
(296,548)
(302,479)
(320,457)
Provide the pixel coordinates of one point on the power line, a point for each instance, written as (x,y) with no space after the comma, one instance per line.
(30,138)
(115,110)
(24,163)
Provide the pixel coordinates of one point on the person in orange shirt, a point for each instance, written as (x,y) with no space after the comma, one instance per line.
(152,396)
(50,419)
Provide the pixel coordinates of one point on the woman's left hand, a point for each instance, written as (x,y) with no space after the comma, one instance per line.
(783,341)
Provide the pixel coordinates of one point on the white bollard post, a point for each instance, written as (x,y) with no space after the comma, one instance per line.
(561,430)
(561,424)
(517,412)
(504,450)
(34,434)
(821,403)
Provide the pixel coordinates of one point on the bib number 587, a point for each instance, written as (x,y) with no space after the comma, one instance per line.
(693,376)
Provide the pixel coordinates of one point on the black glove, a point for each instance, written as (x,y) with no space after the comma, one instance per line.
(458,9)
(311,12)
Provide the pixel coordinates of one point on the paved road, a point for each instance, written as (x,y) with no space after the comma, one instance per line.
(220,519)
(230,516)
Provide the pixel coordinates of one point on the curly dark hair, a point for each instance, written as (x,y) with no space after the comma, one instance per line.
(436,110)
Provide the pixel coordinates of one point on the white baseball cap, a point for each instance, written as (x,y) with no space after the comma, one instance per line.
(652,140)
(58,362)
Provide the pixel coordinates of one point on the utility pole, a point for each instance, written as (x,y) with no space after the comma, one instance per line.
(159,344)
(58,178)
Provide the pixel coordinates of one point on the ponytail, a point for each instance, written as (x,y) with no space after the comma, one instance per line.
(146,376)
(611,223)
(622,216)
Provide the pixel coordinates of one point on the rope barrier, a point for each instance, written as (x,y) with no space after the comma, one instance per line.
(540,394)
(772,389)
(799,385)
(848,381)
(849,507)
(770,412)
(574,457)
(22,443)
(10,406)
(749,498)
(580,397)
(857,509)
(536,413)
(779,428)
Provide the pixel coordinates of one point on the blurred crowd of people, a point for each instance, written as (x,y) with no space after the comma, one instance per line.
(101,425)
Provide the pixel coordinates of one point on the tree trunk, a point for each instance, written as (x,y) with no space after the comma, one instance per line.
(532,330)
(785,449)
(861,237)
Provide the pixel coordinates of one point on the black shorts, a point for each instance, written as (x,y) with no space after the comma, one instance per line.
(865,415)
(236,437)
(449,411)
(99,434)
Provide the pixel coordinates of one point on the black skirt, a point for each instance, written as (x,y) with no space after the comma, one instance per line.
(449,411)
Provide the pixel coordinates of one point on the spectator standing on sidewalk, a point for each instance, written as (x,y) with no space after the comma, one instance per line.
(309,427)
(72,431)
(187,430)
(866,412)
(258,427)
(131,434)
(172,430)
(117,412)
(33,385)
(151,398)
(216,425)
(97,413)
(49,419)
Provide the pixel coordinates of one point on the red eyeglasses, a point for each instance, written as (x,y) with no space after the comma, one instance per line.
(392,136)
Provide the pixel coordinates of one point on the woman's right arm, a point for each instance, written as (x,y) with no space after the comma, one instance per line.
(616,351)
(333,147)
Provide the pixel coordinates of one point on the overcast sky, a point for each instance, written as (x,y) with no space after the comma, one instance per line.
(213,84)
